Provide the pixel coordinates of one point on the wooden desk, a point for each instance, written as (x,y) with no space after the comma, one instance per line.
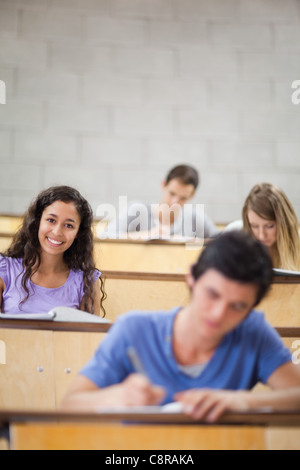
(65,431)
(42,359)
(10,223)
(5,241)
(142,256)
(282,304)
(159,291)
(143,291)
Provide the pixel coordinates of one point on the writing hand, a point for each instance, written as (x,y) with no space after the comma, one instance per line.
(209,405)
(137,390)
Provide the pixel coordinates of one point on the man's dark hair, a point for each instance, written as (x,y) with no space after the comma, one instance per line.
(238,256)
(185,173)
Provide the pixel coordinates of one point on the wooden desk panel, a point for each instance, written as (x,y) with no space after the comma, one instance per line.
(10,223)
(40,364)
(125,294)
(34,430)
(114,436)
(5,241)
(125,255)
(282,305)
(160,291)
(71,352)
(27,377)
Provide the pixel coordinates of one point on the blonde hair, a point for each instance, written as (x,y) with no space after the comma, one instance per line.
(270,202)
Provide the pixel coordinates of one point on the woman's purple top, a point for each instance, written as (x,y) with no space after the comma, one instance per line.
(41,299)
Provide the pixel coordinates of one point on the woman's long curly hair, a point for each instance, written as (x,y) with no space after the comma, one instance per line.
(79,256)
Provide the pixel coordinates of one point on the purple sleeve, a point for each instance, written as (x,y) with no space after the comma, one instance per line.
(3,270)
(97,275)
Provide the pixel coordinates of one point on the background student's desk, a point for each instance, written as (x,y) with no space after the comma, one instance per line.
(145,256)
(71,431)
(10,223)
(5,241)
(42,359)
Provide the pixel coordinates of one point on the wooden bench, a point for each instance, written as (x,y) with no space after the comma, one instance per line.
(127,431)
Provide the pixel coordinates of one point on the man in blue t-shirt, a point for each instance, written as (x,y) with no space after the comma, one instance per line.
(206,355)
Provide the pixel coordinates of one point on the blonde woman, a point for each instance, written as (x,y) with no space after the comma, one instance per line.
(269,216)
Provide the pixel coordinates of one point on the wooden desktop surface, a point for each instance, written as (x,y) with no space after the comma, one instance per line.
(235,431)
(285,332)
(261,417)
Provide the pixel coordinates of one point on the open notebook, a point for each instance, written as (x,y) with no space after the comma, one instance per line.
(63,314)
(173,408)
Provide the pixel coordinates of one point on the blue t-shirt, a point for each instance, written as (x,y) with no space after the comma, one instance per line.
(247,355)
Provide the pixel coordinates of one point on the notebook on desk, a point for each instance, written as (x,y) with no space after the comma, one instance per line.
(285,272)
(172,408)
(27,316)
(59,314)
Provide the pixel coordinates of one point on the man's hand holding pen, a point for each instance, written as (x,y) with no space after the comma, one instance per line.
(137,390)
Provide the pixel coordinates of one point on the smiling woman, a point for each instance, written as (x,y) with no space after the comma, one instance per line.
(58,228)
(50,261)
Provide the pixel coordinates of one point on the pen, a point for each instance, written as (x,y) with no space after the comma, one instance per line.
(135,360)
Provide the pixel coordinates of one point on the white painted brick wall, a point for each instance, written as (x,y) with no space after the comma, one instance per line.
(144,121)
(144,62)
(208,9)
(54,26)
(98,30)
(107,95)
(8,22)
(143,8)
(5,146)
(22,52)
(65,57)
(269,10)
(105,153)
